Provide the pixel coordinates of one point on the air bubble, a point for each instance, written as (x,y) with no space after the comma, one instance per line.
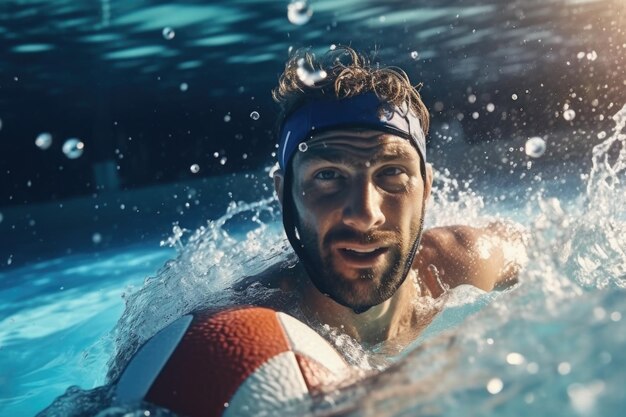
(184,87)
(569,115)
(96,238)
(73,148)
(514,96)
(299,12)
(168,33)
(414,54)
(255,115)
(195,168)
(471,98)
(227,118)
(491,107)
(43,141)
(535,147)
(333,47)
(223,160)
(303,147)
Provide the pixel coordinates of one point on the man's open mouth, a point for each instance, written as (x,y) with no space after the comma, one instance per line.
(362,257)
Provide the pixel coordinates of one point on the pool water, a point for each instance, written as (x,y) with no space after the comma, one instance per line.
(553,344)
(171,103)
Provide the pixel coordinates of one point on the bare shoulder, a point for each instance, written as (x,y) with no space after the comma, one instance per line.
(486,257)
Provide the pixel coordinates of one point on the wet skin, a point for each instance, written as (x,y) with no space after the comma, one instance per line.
(359,197)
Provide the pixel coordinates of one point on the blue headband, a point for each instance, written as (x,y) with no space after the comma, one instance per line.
(365,110)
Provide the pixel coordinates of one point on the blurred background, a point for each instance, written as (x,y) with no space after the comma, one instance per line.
(119,119)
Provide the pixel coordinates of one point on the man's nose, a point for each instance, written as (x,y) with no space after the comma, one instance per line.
(363,208)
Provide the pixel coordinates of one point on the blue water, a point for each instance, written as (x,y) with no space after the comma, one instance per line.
(56,320)
(551,345)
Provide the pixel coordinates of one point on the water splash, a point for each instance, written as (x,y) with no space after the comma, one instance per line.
(208,264)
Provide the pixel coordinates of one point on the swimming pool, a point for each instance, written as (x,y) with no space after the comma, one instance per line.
(552,344)
(520,91)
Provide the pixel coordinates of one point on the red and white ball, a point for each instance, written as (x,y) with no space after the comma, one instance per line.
(240,361)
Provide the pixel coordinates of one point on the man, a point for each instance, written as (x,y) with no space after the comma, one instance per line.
(353,185)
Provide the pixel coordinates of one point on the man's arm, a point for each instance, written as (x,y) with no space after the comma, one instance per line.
(488,258)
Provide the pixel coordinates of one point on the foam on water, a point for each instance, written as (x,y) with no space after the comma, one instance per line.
(553,344)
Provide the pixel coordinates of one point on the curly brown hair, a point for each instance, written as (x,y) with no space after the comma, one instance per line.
(346,73)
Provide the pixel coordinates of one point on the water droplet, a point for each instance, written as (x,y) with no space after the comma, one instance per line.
(494,385)
(386,112)
(535,147)
(580,55)
(1,217)
(475,115)
(515,358)
(471,98)
(307,75)
(216,154)
(43,141)
(168,33)
(299,12)
(333,47)
(184,87)
(96,238)
(564,368)
(227,118)
(223,161)
(73,148)
(514,96)
(491,107)
(255,115)
(195,168)
(414,55)
(532,368)
(0,124)
(569,115)
(592,56)
(303,147)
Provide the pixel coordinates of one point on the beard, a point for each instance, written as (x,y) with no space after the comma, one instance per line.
(371,286)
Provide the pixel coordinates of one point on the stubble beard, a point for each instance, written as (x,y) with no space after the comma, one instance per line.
(371,287)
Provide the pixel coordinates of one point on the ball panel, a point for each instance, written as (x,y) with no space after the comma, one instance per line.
(146,365)
(216,355)
(316,376)
(276,385)
(306,342)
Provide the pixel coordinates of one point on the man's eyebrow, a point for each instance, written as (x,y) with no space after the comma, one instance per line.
(340,157)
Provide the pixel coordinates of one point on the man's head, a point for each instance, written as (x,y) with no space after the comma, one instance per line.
(353,179)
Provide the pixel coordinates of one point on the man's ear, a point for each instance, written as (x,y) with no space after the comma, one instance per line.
(279,182)
(428,183)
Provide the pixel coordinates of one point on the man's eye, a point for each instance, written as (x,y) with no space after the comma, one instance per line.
(391,171)
(327,174)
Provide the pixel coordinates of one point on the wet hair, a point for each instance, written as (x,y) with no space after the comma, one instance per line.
(348,73)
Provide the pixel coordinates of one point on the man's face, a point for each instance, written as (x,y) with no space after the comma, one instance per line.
(359,199)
